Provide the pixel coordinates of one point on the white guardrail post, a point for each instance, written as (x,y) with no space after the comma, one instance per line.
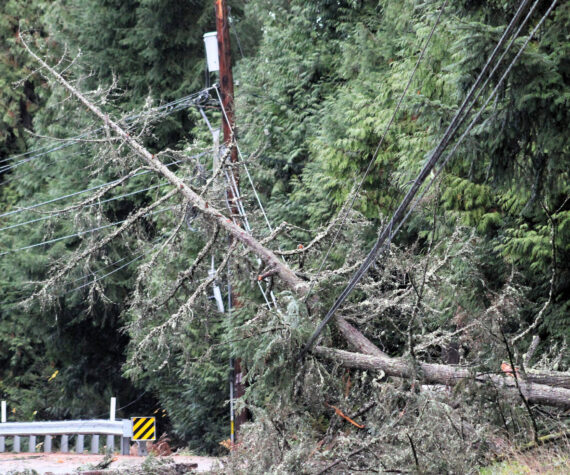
(110,438)
(126,438)
(3,439)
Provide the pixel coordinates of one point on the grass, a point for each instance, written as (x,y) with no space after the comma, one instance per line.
(547,461)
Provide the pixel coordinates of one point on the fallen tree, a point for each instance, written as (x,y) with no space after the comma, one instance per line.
(448,375)
(554,390)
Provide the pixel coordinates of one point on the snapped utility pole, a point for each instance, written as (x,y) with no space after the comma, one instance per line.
(228,126)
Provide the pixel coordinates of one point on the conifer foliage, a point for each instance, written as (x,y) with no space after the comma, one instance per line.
(475,282)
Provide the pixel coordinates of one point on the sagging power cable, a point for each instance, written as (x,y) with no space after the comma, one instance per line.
(93,188)
(399,216)
(160,111)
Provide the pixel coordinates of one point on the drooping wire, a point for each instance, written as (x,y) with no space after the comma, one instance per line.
(40,153)
(72,140)
(80,233)
(481,110)
(375,154)
(399,217)
(93,188)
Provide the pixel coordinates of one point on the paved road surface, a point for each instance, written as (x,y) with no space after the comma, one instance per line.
(69,463)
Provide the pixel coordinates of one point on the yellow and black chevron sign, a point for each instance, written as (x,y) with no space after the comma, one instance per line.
(144,428)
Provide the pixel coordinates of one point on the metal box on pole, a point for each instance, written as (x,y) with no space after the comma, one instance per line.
(211,43)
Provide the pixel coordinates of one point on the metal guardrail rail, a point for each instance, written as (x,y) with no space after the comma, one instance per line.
(66,430)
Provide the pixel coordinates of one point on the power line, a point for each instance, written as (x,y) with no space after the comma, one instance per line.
(41,152)
(375,154)
(80,233)
(174,106)
(480,112)
(93,188)
(98,278)
(21,175)
(57,213)
(399,218)
(104,276)
(91,274)
(68,143)
(169,108)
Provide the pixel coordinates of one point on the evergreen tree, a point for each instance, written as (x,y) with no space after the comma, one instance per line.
(477,270)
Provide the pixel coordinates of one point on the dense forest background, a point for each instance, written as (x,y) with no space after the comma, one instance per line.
(478,272)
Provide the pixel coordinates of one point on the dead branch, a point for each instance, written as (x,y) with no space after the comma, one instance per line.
(531,349)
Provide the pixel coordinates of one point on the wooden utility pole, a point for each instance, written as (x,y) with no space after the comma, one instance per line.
(228,127)
(226,76)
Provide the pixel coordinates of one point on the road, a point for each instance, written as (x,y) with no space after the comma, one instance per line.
(58,463)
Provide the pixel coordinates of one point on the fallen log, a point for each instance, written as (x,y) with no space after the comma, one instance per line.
(448,375)
(356,339)
(549,378)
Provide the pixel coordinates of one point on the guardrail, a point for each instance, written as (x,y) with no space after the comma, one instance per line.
(67,430)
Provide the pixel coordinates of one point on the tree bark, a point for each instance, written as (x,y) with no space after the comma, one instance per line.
(448,375)
(549,378)
(356,339)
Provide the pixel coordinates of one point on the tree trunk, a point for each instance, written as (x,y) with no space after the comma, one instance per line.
(357,340)
(549,378)
(448,375)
